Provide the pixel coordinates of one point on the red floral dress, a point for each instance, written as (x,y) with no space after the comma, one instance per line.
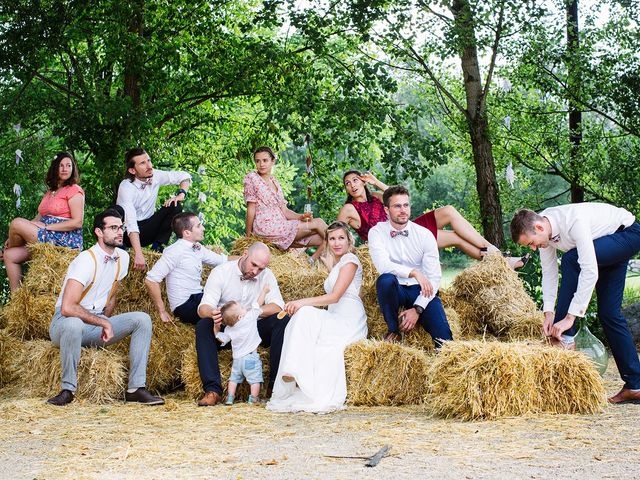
(269,221)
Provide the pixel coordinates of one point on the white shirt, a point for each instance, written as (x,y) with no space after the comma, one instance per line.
(577,225)
(181,264)
(243,335)
(82,269)
(224,284)
(401,254)
(139,199)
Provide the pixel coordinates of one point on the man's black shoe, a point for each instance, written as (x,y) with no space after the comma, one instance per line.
(142,395)
(64,397)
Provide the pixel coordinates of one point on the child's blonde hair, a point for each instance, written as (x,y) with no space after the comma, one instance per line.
(229,312)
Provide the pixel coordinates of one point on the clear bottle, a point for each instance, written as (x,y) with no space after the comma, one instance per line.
(588,343)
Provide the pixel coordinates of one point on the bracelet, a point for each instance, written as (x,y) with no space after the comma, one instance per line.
(181,190)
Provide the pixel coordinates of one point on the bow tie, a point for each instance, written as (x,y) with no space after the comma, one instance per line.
(146,183)
(108,257)
(195,247)
(244,279)
(555,239)
(403,233)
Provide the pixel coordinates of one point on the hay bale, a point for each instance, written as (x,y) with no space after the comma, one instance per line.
(9,348)
(296,278)
(490,295)
(240,244)
(47,268)
(416,338)
(474,380)
(381,373)
(101,373)
(191,375)
(28,315)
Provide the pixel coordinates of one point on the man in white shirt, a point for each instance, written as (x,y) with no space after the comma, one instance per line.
(181,265)
(407,259)
(83,312)
(598,241)
(137,195)
(242,280)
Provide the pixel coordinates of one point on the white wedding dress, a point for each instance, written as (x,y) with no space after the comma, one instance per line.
(313,350)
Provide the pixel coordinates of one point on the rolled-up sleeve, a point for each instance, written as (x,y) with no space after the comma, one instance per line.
(125,200)
(173,177)
(162,268)
(212,258)
(274,295)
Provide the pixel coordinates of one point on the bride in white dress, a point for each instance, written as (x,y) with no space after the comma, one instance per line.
(311,376)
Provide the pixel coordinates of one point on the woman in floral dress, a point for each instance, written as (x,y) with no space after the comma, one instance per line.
(267,213)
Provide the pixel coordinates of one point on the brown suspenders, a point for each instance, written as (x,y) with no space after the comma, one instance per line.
(95,270)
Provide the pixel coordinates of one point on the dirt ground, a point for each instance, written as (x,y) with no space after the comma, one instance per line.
(180,440)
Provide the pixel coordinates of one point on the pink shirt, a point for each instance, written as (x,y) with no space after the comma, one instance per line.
(57,203)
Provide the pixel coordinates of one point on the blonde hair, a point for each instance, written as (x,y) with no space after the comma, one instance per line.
(229,312)
(338,225)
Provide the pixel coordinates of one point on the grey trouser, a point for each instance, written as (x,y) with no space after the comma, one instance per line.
(71,333)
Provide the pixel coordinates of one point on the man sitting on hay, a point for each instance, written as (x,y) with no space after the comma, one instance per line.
(181,265)
(83,312)
(598,241)
(242,281)
(406,256)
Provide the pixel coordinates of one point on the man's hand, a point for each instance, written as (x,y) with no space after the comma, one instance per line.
(408,320)
(174,200)
(166,318)
(107,331)
(426,289)
(548,323)
(139,263)
(562,326)
(217,316)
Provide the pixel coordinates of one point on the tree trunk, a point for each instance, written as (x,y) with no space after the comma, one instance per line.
(486,182)
(134,60)
(575,115)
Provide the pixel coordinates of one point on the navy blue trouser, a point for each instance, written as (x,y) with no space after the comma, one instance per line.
(271,330)
(612,253)
(157,228)
(392,296)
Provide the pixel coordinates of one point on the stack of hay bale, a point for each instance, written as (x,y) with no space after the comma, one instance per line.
(466,379)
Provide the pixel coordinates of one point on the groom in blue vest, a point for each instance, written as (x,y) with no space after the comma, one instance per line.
(406,256)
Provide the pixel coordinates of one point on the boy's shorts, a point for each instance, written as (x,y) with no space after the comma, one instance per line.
(249,367)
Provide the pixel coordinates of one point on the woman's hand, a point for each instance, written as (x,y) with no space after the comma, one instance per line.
(368,177)
(38,223)
(293,307)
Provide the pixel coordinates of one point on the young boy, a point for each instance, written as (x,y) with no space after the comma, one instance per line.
(242,331)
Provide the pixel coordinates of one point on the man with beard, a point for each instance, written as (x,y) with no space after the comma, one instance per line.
(181,265)
(137,195)
(242,280)
(406,256)
(83,312)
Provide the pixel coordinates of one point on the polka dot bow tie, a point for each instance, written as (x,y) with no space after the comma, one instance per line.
(108,258)
(399,233)
(195,247)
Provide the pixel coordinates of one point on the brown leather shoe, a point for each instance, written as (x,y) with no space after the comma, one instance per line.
(142,395)
(625,396)
(210,399)
(64,397)
(392,337)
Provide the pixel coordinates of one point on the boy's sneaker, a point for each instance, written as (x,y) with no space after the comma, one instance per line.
(229,400)
(253,400)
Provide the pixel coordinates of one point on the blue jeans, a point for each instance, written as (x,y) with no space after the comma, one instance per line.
(392,296)
(612,254)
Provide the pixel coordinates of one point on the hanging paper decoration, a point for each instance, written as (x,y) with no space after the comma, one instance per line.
(506,85)
(507,122)
(17,190)
(18,156)
(202,170)
(510,174)
(202,197)
(201,217)
(17,127)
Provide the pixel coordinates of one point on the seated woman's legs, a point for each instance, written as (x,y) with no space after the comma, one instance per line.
(13,260)
(21,232)
(314,229)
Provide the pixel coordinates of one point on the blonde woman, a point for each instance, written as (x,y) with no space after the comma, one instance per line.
(311,374)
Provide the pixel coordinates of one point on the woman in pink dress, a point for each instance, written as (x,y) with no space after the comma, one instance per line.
(363,209)
(267,212)
(59,218)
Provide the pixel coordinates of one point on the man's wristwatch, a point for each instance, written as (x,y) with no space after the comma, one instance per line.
(181,190)
(419,309)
